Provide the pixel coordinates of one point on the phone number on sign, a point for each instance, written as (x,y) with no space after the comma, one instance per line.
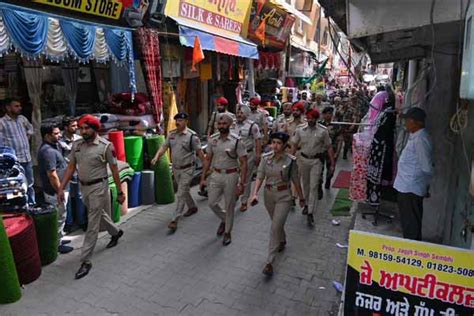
(419,263)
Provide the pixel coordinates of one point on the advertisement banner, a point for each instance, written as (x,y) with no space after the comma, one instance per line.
(110,9)
(393,276)
(278,24)
(218,17)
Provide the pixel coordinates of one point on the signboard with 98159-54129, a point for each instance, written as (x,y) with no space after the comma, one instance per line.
(393,276)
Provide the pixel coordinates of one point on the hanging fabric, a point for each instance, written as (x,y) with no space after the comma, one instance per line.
(70,71)
(80,38)
(56,47)
(4,39)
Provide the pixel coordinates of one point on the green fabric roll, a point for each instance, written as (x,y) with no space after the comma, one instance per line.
(10,291)
(115,204)
(342,205)
(46,226)
(272,110)
(134,152)
(164,192)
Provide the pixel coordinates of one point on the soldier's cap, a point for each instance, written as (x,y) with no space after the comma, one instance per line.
(90,120)
(328,109)
(281,136)
(181,115)
(255,101)
(245,109)
(416,114)
(298,106)
(222,100)
(312,114)
(225,117)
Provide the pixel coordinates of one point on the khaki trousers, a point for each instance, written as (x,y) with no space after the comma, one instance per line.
(222,185)
(251,157)
(278,205)
(96,197)
(310,171)
(183,178)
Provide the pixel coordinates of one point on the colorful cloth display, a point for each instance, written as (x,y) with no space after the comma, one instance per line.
(360,158)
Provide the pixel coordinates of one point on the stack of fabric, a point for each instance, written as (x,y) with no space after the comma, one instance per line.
(13,184)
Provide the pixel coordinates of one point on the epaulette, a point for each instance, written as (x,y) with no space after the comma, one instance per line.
(268,154)
(215,135)
(192,132)
(78,141)
(104,141)
(234,135)
(291,156)
(173,131)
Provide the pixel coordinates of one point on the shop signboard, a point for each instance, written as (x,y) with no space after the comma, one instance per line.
(220,17)
(393,276)
(278,23)
(110,9)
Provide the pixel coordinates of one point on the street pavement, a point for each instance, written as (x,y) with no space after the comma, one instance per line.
(152,272)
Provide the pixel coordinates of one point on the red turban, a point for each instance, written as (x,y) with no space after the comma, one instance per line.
(255,101)
(90,120)
(312,114)
(222,101)
(298,106)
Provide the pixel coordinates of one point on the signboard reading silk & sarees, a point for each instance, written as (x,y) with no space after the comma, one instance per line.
(393,276)
(219,17)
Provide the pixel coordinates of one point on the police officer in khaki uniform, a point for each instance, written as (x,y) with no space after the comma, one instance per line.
(224,153)
(184,144)
(91,154)
(250,136)
(257,116)
(313,141)
(221,107)
(298,109)
(282,121)
(278,169)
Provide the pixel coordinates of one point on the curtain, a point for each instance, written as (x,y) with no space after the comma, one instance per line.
(80,38)
(56,48)
(34,80)
(4,39)
(70,71)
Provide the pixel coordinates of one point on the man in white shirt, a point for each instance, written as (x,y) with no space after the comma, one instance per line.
(415,170)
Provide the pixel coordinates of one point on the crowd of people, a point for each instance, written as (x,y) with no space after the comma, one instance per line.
(292,159)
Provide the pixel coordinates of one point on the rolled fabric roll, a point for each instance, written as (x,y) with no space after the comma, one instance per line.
(134,192)
(46,226)
(148,187)
(164,192)
(124,207)
(10,291)
(117,139)
(115,205)
(134,152)
(272,110)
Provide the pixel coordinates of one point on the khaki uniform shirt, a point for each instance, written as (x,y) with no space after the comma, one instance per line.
(183,146)
(257,117)
(212,125)
(92,158)
(312,141)
(225,151)
(248,132)
(277,171)
(293,125)
(281,124)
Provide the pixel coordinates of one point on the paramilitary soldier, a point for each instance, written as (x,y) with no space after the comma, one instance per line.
(225,151)
(313,141)
(184,144)
(91,154)
(221,107)
(282,121)
(277,169)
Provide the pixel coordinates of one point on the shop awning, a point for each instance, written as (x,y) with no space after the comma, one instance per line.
(291,9)
(230,45)
(322,57)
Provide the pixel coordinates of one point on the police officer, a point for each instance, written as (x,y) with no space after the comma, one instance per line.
(221,107)
(250,136)
(278,169)
(225,151)
(282,121)
(184,144)
(336,142)
(298,109)
(313,141)
(257,116)
(91,154)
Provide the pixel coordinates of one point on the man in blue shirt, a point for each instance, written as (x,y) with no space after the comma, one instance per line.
(52,167)
(415,170)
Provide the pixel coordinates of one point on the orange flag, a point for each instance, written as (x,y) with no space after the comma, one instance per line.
(198,54)
(260,32)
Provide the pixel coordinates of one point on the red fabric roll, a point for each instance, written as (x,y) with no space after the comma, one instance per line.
(22,236)
(116,138)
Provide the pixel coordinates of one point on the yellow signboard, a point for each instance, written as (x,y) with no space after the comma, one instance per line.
(110,9)
(216,16)
(393,276)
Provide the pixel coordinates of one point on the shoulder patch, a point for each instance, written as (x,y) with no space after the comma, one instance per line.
(268,154)
(291,156)
(215,135)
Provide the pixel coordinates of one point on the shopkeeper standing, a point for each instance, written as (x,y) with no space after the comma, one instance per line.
(91,154)
(415,170)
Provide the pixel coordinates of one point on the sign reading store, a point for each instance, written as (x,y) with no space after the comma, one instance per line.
(110,9)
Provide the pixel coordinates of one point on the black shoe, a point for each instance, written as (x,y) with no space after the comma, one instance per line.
(65,242)
(67,229)
(191,211)
(83,227)
(83,270)
(305,210)
(62,249)
(227,239)
(310,219)
(221,229)
(114,240)
(203,193)
(268,270)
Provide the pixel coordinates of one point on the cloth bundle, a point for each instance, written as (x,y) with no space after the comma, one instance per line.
(13,183)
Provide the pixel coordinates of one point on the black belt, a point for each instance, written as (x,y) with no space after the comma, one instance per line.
(317,156)
(87,183)
(249,150)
